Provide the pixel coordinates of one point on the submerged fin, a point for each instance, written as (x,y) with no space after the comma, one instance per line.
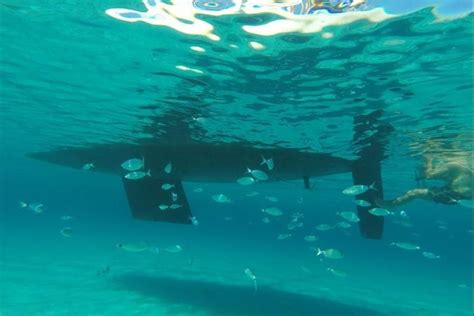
(367,169)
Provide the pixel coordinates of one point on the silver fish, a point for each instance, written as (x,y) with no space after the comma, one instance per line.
(136,175)
(273,211)
(35,206)
(358,189)
(349,216)
(323,227)
(429,255)
(337,273)
(377,211)
(258,174)
(167,186)
(133,164)
(221,198)
(362,203)
(133,247)
(252,194)
(268,162)
(405,245)
(174,249)
(283,236)
(245,180)
(272,198)
(88,166)
(194,220)
(294,224)
(343,225)
(329,253)
(66,231)
(174,196)
(252,277)
(168,168)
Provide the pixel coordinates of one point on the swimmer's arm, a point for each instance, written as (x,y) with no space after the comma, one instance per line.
(407,197)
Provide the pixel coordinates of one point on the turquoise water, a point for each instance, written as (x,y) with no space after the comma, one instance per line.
(73,76)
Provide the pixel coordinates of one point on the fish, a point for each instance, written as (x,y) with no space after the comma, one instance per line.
(377,211)
(272,199)
(358,189)
(337,273)
(88,166)
(258,174)
(294,224)
(23,204)
(66,231)
(323,227)
(133,164)
(35,206)
(362,203)
(403,214)
(349,216)
(252,277)
(175,206)
(199,119)
(194,220)
(405,245)
(403,223)
(297,216)
(466,203)
(343,225)
(198,190)
(65,218)
(167,186)
(273,211)
(268,162)
(330,253)
(168,168)
(266,220)
(221,198)
(174,196)
(133,247)
(136,175)
(245,181)
(283,236)
(310,238)
(429,255)
(252,194)
(163,207)
(174,249)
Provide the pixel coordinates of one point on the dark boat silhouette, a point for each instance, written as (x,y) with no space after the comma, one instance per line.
(198,161)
